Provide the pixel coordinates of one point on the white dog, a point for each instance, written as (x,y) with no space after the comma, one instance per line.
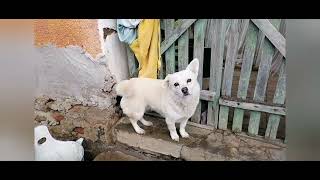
(175,98)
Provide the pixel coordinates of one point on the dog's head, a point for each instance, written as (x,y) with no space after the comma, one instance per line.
(183,82)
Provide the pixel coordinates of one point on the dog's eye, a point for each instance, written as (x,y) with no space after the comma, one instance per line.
(176,84)
(189,80)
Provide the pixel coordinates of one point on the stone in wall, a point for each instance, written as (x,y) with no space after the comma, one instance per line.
(92,123)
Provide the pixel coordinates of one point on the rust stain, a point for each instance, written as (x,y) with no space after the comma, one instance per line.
(63,32)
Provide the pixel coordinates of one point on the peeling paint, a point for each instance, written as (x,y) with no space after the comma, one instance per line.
(114,49)
(107,32)
(79,64)
(62,33)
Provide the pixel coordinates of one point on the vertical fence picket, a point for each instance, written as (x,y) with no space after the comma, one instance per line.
(228,71)
(279,98)
(217,48)
(198,52)
(267,53)
(170,53)
(250,46)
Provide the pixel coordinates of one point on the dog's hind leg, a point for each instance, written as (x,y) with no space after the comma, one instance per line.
(145,122)
(134,118)
(136,127)
(134,112)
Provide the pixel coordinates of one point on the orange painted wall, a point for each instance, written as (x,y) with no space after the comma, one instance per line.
(61,33)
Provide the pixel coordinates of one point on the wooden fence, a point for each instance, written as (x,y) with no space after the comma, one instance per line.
(225,46)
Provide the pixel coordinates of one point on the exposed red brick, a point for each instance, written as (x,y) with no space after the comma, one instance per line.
(79,130)
(57,116)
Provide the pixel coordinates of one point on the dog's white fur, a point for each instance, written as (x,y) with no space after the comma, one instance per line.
(162,96)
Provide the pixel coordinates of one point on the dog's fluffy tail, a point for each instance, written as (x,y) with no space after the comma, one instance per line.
(123,88)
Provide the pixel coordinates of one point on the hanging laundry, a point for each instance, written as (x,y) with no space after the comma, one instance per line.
(127,29)
(144,42)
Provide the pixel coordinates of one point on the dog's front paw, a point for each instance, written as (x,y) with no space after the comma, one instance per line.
(184,134)
(174,136)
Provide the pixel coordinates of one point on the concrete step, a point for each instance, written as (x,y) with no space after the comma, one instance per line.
(115,156)
(203,144)
(121,152)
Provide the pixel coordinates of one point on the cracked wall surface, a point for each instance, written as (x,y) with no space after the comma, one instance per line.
(76,73)
(68,73)
(76,61)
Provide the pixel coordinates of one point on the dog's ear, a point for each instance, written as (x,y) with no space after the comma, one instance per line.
(166,81)
(194,66)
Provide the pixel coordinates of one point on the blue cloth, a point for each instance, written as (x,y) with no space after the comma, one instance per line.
(127,29)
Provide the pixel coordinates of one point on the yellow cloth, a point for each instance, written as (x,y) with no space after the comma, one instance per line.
(147,48)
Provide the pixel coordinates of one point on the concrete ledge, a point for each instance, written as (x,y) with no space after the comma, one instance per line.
(149,143)
(199,154)
(203,144)
(115,156)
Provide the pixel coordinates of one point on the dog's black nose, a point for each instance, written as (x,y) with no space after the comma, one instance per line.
(185,91)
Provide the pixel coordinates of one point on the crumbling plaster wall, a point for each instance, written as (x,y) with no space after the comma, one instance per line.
(80,63)
(115,51)
(76,61)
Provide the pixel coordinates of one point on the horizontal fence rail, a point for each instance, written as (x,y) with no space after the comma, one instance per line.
(248,44)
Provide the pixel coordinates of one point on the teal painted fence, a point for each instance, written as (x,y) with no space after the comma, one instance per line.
(247,44)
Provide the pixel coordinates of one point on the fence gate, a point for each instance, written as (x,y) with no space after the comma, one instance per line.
(241,60)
